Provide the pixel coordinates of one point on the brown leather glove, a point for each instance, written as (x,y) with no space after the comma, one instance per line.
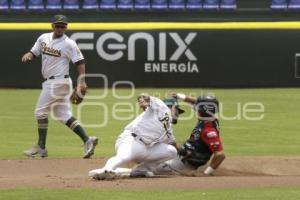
(77,96)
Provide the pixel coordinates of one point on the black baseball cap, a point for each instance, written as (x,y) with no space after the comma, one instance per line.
(60,19)
(172,101)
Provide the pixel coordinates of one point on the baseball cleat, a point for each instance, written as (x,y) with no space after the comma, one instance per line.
(89,146)
(92,173)
(36,151)
(102,174)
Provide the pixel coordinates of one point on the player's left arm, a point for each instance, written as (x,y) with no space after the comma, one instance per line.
(81,85)
(213,141)
(217,158)
(77,58)
(186,98)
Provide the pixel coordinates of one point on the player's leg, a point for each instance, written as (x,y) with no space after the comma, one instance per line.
(89,142)
(62,112)
(154,156)
(174,166)
(142,170)
(62,107)
(42,131)
(75,126)
(118,173)
(127,150)
(122,172)
(160,152)
(41,113)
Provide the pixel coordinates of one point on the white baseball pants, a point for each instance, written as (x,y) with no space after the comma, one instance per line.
(174,166)
(55,97)
(129,149)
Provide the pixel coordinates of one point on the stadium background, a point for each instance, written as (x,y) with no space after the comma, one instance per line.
(252,46)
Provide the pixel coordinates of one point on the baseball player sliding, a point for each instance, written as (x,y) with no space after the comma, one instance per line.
(57,51)
(204,143)
(147,141)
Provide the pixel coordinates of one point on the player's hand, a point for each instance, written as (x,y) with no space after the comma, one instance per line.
(208,171)
(78,94)
(82,88)
(27,57)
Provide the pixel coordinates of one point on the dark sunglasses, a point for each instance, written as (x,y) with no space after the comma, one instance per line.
(60,26)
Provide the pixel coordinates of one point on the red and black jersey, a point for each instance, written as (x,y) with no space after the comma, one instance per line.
(203,142)
(205,137)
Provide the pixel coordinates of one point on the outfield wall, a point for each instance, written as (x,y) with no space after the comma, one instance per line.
(167,54)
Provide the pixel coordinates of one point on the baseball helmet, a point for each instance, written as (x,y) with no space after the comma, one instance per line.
(207,105)
(173,102)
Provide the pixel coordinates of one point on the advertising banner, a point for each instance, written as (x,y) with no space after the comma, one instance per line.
(168,58)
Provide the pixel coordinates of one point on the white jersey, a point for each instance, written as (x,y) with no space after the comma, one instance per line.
(154,124)
(56,54)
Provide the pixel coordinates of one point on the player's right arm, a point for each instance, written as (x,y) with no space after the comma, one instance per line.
(27,57)
(183,97)
(34,52)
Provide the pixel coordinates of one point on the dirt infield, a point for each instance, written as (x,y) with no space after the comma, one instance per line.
(236,172)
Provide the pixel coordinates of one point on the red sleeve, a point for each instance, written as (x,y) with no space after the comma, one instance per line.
(210,137)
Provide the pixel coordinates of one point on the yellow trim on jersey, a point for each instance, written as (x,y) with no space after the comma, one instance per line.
(156,26)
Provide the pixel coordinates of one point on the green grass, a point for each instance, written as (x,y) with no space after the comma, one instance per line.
(276,134)
(228,194)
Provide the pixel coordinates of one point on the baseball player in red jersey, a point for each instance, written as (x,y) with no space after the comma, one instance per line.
(57,50)
(204,143)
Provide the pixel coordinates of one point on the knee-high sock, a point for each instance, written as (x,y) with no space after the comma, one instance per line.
(74,125)
(42,130)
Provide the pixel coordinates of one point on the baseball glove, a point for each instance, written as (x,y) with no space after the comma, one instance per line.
(77,96)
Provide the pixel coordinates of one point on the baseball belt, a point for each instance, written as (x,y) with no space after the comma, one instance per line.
(53,77)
